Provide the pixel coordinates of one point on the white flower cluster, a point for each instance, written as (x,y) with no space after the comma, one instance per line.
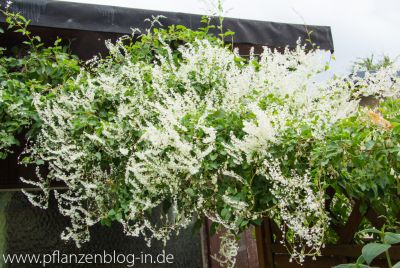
(136,136)
(299,209)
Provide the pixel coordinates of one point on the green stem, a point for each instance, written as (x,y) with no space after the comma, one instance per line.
(388,259)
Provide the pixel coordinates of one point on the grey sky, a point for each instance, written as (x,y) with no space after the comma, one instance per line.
(359,27)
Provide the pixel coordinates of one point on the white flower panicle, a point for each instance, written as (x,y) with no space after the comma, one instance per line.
(138,136)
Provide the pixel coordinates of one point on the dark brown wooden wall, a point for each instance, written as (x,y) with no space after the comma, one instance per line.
(272,254)
(247,255)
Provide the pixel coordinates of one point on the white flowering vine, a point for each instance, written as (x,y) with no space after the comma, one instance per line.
(197,131)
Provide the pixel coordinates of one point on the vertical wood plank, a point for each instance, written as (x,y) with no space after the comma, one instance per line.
(251,243)
(346,233)
(264,245)
(248,254)
(261,250)
(205,244)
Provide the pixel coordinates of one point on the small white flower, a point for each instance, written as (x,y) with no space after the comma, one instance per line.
(123,151)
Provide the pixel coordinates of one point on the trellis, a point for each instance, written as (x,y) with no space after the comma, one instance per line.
(272,254)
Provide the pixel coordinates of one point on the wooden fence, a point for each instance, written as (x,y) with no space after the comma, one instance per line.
(272,254)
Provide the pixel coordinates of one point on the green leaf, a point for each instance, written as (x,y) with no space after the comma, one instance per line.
(189,191)
(244,223)
(369,144)
(257,221)
(39,162)
(229,33)
(360,260)
(26,160)
(118,216)
(372,250)
(371,230)
(352,265)
(225,213)
(214,228)
(392,238)
(106,222)
(112,212)
(213,156)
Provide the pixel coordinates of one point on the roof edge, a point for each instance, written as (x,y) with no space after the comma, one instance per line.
(111,19)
